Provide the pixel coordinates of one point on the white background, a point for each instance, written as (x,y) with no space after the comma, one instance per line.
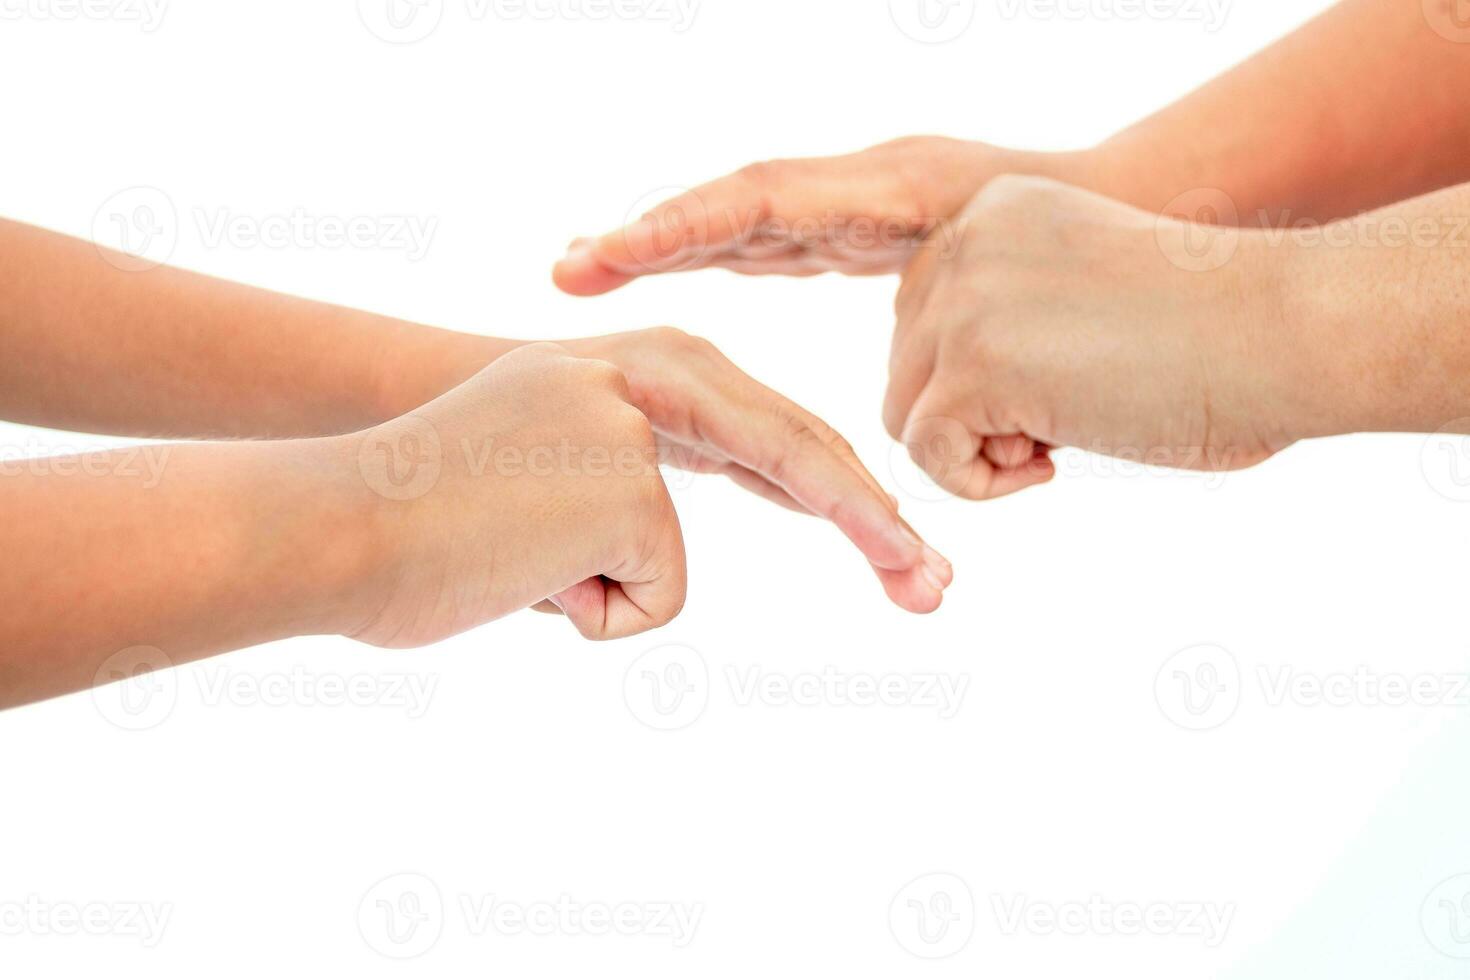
(262,825)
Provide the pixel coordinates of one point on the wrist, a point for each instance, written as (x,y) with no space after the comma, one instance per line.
(339,557)
(417,364)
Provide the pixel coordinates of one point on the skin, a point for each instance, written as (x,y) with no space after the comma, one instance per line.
(1032,314)
(547,494)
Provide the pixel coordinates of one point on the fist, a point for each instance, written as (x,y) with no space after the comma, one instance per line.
(534,480)
(1061,318)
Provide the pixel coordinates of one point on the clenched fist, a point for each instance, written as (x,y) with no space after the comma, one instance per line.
(534,480)
(1062,318)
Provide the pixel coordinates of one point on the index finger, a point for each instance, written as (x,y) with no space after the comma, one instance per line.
(688,231)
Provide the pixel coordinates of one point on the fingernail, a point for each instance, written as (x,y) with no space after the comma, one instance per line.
(908,534)
(932,577)
(556,602)
(933,557)
(578,252)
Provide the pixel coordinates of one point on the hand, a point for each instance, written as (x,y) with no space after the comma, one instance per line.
(1060,319)
(861,214)
(711,417)
(535,478)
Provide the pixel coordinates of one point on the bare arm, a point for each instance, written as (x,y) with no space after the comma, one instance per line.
(165,352)
(1364,106)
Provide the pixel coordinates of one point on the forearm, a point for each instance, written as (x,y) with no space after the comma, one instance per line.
(1384,302)
(1362,107)
(164,352)
(195,550)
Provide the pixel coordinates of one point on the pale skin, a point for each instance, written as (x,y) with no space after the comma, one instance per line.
(546,489)
(1071,299)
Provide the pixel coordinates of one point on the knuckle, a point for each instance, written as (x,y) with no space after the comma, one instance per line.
(675,339)
(634,429)
(1011,192)
(763,172)
(607,375)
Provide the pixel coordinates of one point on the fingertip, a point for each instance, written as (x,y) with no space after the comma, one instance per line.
(911,590)
(579,273)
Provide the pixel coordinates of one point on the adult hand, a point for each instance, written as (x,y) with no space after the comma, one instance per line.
(1061,317)
(861,214)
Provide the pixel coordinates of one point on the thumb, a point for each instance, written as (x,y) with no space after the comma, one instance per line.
(962,458)
(644,591)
